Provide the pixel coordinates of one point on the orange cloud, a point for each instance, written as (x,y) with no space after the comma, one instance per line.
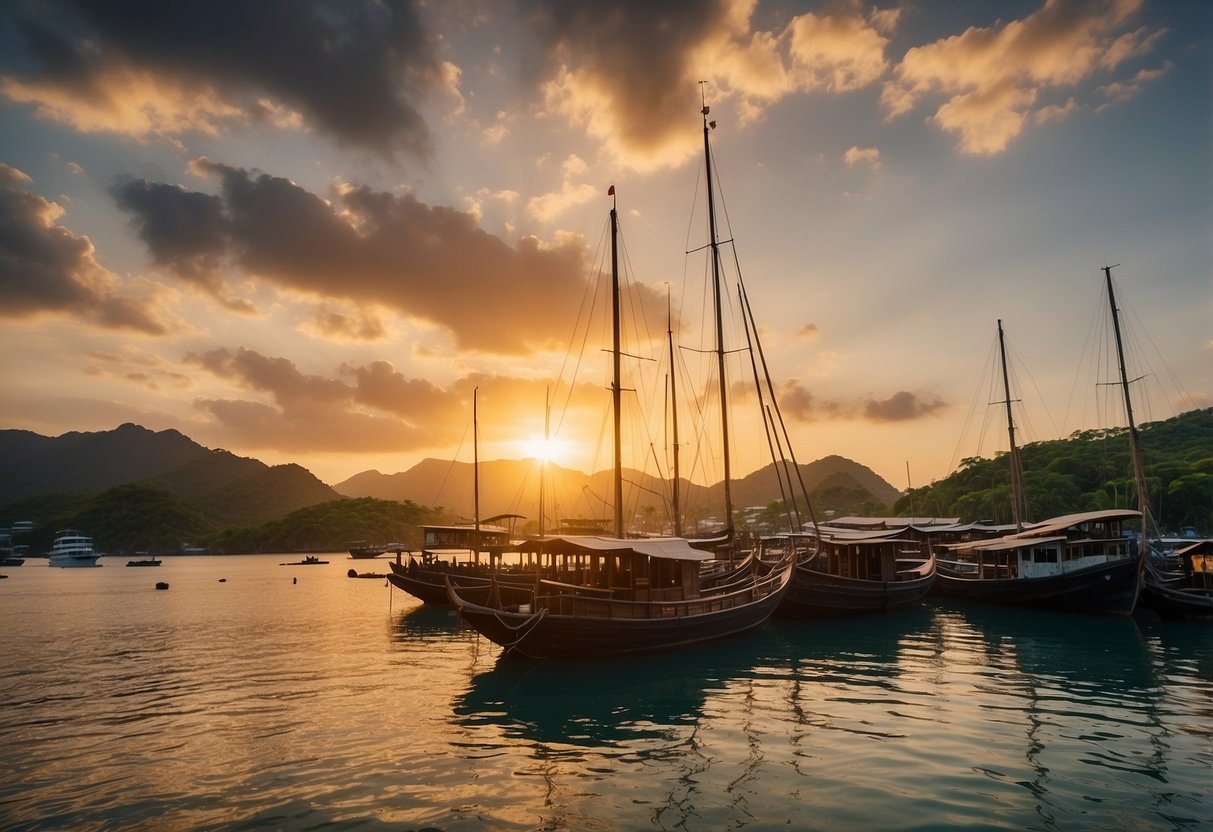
(994,77)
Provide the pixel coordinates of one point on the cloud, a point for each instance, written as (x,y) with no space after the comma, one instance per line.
(355,70)
(364,247)
(549,206)
(797,403)
(992,78)
(808,332)
(357,409)
(46,269)
(1119,91)
(901,407)
(862,156)
(629,77)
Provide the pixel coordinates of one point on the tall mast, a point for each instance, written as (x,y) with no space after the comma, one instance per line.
(669,323)
(1017,501)
(543,466)
(475,476)
(1139,470)
(615,385)
(718,301)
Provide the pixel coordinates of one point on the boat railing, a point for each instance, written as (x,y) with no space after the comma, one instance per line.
(571,601)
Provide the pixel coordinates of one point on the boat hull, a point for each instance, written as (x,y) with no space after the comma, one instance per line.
(815,594)
(1175,599)
(1110,588)
(74,562)
(598,631)
(429,585)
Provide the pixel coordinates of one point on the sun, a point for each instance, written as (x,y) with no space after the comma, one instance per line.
(543,449)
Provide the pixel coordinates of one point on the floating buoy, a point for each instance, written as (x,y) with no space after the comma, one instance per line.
(294,580)
(161,585)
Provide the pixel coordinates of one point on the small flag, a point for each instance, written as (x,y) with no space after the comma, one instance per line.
(611,191)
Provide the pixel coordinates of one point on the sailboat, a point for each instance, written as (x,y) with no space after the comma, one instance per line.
(597,595)
(1078,562)
(1176,587)
(426,578)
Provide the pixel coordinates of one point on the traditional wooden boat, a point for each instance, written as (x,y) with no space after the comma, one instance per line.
(1186,589)
(598,595)
(1078,562)
(425,577)
(851,573)
(620,596)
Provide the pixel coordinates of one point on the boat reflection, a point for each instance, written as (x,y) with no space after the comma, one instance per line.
(426,622)
(613,701)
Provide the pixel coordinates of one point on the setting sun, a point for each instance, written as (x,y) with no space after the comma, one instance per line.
(543,449)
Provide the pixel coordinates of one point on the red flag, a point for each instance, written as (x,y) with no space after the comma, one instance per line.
(611,191)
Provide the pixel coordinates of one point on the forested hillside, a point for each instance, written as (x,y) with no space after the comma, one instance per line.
(1088,471)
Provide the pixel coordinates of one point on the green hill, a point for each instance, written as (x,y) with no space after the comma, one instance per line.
(1090,470)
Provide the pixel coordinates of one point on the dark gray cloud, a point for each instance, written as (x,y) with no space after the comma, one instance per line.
(45,268)
(353,69)
(366,247)
(639,54)
(900,407)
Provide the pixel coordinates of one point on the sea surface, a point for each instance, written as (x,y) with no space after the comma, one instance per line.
(252,696)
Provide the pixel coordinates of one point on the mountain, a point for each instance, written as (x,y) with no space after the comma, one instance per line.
(228,490)
(510,486)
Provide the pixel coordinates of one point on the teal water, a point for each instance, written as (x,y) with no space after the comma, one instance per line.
(297,698)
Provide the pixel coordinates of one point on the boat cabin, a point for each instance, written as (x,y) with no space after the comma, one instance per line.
(645,569)
(1054,547)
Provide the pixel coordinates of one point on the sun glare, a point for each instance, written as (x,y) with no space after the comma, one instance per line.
(544,450)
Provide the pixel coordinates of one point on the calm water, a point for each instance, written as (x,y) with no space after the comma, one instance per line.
(331,703)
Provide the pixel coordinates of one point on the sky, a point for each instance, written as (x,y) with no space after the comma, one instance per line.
(307,231)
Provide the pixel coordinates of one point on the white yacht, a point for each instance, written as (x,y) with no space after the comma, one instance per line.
(73,548)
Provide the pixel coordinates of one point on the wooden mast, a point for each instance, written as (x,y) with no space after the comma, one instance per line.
(669,322)
(615,385)
(1139,470)
(1017,497)
(475,478)
(717,298)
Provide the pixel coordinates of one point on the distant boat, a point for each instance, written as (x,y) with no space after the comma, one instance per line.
(144,562)
(72,548)
(8,552)
(361,550)
(309,560)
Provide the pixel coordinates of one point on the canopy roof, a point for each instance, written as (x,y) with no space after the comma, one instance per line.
(669,548)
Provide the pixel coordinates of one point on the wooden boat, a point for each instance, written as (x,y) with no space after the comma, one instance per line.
(852,573)
(1078,562)
(1186,590)
(361,550)
(425,578)
(144,562)
(602,595)
(621,596)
